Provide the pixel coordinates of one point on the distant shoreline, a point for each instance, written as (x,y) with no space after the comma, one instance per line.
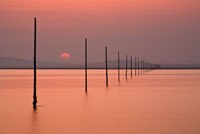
(191,68)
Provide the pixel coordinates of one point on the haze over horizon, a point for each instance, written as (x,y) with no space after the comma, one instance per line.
(161,31)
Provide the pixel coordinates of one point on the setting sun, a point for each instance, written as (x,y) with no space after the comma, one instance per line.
(65,56)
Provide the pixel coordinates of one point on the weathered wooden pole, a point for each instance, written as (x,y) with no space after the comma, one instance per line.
(138,66)
(106,59)
(34,62)
(141,66)
(131,67)
(135,66)
(126,65)
(86,65)
(118,66)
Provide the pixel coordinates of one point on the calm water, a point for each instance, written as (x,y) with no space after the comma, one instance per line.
(159,102)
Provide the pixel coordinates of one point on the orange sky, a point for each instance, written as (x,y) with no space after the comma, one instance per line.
(140,22)
(73,11)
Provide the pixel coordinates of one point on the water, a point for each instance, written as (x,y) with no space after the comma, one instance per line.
(159,102)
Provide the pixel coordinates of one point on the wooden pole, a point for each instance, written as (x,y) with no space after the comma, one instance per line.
(86,65)
(141,66)
(131,68)
(34,62)
(135,66)
(138,66)
(118,66)
(126,65)
(106,59)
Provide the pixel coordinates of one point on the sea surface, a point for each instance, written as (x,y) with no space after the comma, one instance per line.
(157,102)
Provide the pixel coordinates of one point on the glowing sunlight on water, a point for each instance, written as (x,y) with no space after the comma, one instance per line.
(158,102)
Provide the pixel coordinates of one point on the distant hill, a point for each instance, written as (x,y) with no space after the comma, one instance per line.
(111,64)
(180,66)
(10,62)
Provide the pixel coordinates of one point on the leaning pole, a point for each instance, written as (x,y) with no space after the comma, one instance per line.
(34,62)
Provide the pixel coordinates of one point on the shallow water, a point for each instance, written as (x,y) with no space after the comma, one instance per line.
(158,102)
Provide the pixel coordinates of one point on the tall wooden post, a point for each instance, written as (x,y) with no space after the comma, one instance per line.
(141,63)
(34,62)
(135,66)
(106,59)
(131,68)
(118,66)
(86,65)
(143,66)
(126,65)
(138,66)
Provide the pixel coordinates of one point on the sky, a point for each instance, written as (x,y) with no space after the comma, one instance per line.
(160,31)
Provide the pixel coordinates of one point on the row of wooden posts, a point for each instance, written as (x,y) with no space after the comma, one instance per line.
(140,66)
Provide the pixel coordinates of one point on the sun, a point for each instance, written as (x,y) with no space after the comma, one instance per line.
(65,56)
